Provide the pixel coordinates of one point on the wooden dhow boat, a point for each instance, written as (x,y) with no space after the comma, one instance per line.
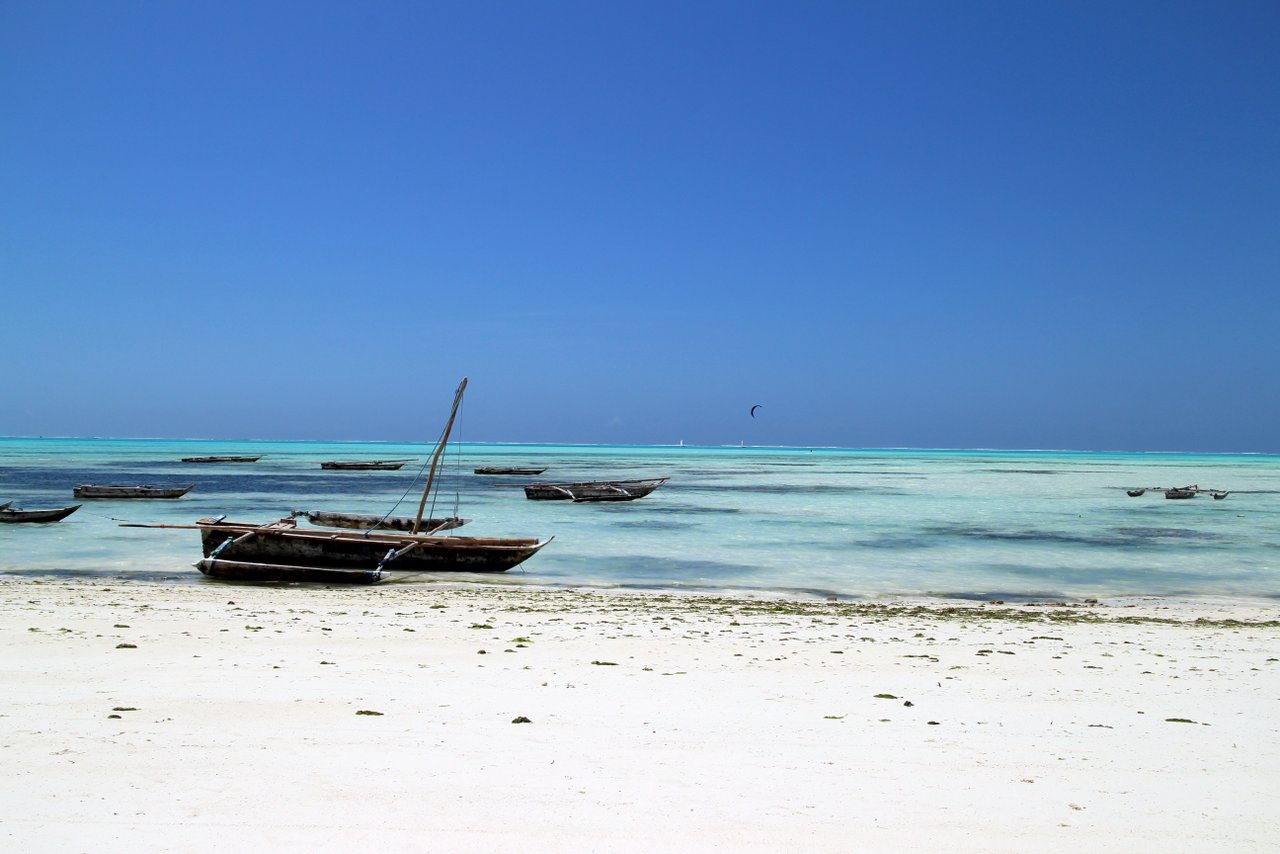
(282,551)
(367,522)
(13,514)
(595,490)
(231,459)
(364,465)
(90,490)
(1179,492)
(508,470)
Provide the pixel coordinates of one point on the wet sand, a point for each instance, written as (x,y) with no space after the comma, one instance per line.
(141,717)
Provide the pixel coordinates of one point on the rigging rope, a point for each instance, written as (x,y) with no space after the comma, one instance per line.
(418,477)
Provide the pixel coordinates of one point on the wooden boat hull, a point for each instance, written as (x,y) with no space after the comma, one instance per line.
(374,465)
(501,470)
(98,491)
(222,459)
(247,571)
(365,522)
(1180,493)
(322,549)
(615,490)
(41,516)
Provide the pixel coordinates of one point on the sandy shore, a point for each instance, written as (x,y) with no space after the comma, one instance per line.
(144,717)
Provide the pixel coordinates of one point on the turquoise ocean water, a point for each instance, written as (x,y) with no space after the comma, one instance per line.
(857,523)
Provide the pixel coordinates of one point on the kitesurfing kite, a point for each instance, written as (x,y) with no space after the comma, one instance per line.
(753,410)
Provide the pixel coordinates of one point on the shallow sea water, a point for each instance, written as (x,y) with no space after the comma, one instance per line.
(853,523)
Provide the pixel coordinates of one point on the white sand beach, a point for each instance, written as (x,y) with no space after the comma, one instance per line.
(210,717)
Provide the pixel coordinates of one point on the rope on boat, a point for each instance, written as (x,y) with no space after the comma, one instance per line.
(418,477)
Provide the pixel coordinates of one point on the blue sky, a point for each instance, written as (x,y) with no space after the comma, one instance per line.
(892,224)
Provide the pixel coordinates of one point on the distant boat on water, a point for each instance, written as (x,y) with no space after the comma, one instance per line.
(88,490)
(1179,492)
(508,470)
(364,465)
(596,490)
(226,459)
(13,514)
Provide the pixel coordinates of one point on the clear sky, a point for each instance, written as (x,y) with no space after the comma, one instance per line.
(891,224)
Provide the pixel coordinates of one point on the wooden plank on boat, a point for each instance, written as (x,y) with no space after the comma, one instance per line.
(364,521)
(239,570)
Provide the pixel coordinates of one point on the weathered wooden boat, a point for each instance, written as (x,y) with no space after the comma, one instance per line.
(1181,492)
(282,551)
(365,521)
(596,490)
(282,544)
(13,514)
(89,490)
(364,465)
(232,459)
(507,470)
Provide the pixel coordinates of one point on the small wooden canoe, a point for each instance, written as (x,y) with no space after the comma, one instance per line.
(368,522)
(364,465)
(8,514)
(507,470)
(1134,493)
(596,490)
(1188,492)
(89,490)
(222,459)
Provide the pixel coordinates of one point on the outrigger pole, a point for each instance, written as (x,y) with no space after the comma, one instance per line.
(444,440)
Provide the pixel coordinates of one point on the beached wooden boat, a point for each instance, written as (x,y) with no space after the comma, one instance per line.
(596,490)
(364,465)
(282,551)
(282,544)
(89,490)
(232,459)
(507,470)
(365,521)
(11,514)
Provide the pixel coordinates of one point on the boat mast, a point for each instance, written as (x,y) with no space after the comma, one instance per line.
(444,440)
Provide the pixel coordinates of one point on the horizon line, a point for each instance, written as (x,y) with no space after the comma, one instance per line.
(645,445)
